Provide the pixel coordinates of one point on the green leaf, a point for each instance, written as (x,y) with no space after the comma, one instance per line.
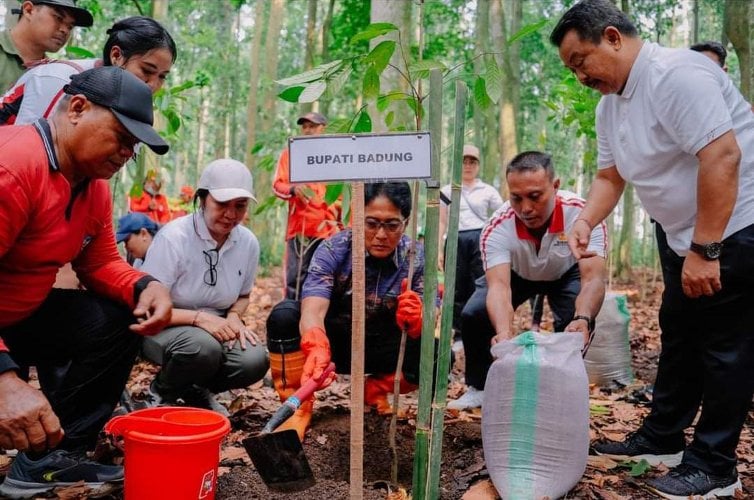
(311,75)
(78,53)
(174,120)
(421,69)
(291,94)
(384,100)
(371,84)
(268,203)
(373,31)
(363,124)
(380,55)
(333,192)
(389,118)
(312,92)
(180,88)
(267,163)
(598,410)
(527,30)
(339,126)
(257,148)
(493,79)
(339,79)
(416,109)
(636,468)
(480,94)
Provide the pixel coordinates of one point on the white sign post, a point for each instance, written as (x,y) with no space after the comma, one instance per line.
(369,157)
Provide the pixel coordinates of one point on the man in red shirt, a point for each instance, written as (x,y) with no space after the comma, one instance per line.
(151,202)
(56,208)
(310,218)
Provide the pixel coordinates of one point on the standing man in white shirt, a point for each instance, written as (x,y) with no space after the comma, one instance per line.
(525,253)
(674,125)
(478,201)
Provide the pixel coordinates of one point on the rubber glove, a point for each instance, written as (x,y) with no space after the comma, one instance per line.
(316,347)
(409,312)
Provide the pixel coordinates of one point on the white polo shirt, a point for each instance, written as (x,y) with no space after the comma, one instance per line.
(477,203)
(505,239)
(176,258)
(675,102)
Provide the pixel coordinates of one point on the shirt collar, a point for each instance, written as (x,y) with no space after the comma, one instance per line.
(203,231)
(557,223)
(637,70)
(43,128)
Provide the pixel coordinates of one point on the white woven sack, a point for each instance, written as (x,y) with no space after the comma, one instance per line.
(535,416)
(608,359)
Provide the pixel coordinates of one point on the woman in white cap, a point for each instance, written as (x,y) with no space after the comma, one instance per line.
(208,261)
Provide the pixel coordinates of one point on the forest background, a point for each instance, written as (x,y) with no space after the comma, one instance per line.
(224,96)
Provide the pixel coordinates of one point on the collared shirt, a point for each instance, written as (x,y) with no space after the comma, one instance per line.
(505,239)
(11,64)
(176,257)
(477,203)
(675,102)
(330,271)
(45,224)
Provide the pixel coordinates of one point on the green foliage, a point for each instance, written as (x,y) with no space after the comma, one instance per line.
(78,53)
(268,203)
(636,469)
(373,31)
(572,103)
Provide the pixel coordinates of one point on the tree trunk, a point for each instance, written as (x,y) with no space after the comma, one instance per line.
(324,103)
(271,46)
(485,122)
(253,102)
(737,22)
(625,242)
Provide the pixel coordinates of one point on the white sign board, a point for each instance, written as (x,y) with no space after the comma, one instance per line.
(368,157)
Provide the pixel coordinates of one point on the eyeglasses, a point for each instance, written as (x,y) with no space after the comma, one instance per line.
(211,257)
(391,226)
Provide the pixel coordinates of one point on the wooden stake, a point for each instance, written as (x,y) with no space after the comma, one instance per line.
(357,344)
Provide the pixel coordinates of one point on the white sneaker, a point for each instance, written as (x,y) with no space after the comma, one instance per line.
(471,399)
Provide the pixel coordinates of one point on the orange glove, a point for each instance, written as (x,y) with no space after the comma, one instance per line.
(316,347)
(409,312)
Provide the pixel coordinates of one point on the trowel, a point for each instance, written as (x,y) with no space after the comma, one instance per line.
(278,456)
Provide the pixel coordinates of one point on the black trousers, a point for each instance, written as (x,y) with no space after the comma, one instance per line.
(477,329)
(83,351)
(707,358)
(468,269)
(298,254)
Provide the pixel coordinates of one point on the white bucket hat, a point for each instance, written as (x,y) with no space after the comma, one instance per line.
(227,179)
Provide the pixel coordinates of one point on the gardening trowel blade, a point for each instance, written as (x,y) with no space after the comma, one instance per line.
(280,460)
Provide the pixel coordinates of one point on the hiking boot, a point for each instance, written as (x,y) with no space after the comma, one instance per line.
(687,481)
(637,447)
(200,397)
(473,398)
(28,477)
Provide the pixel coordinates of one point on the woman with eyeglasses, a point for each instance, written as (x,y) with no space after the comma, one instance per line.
(303,337)
(208,261)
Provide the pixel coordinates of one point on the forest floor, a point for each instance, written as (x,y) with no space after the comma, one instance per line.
(614,413)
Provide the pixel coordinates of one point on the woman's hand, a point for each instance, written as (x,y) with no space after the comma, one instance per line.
(244,334)
(220,328)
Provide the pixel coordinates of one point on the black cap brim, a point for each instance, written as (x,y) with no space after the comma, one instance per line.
(81,17)
(143,132)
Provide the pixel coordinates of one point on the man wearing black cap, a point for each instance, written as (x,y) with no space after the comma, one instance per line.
(56,208)
(43,26)
(310,218)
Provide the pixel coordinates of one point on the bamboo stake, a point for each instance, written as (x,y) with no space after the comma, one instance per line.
(451,253)
(357,344)
(431,225)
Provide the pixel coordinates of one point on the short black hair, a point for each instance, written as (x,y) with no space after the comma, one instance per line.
(716,48)
(530,161)
(137,35)
(399,194)
(590,18)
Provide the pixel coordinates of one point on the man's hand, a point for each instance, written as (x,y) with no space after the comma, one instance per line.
(700,276)
(153,310)
(579,326)
(408,315)
(501,337)
(316,347)
(578,239)
(26,418)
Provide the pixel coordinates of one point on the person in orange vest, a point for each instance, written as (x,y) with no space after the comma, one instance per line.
(310,218)
(182,205)
(151,202)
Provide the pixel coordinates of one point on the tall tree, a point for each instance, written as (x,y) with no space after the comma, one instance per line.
(738,21)
(254,77)
(311,44)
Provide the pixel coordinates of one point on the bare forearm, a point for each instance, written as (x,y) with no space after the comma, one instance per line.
(500,310)
(590,298)
(717,190)
(603,196)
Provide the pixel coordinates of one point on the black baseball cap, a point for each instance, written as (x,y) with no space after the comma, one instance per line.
(82,17)
(126,96)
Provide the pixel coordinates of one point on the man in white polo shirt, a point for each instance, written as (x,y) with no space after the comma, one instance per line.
(673,124)
(525,253)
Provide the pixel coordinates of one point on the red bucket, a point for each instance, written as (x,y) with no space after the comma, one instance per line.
(171,453)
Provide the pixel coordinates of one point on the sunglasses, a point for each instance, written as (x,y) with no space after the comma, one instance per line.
(390,226)
(211,257)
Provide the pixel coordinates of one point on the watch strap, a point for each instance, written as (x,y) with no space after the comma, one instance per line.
(588,319)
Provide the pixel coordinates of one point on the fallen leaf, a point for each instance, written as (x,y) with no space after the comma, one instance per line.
(601,462)
(483,490)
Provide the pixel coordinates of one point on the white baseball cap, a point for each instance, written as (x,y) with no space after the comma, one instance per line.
(227,179)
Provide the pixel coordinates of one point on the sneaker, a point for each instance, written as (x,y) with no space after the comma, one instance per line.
(473,398)
(637,447)
(687,481)
(28,477)
(200,397)
(153,399)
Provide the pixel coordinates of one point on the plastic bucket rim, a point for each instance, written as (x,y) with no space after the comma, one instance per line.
(191,439)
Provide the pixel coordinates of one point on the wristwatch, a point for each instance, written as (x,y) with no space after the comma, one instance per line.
(710,251)
(589,321)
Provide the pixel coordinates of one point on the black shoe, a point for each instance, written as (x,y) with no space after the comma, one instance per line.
(28,477)
(200,397)
(637,447)
(686,481)
(154,398)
